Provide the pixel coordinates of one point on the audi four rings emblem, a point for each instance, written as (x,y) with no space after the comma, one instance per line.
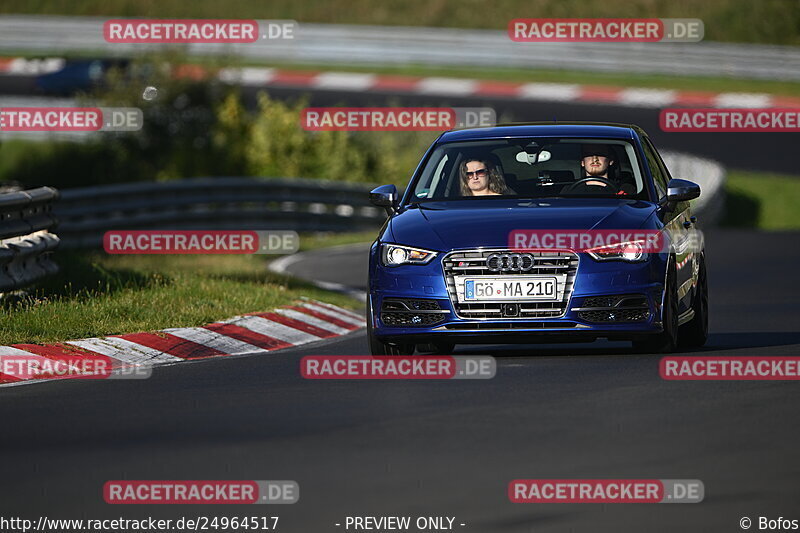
(509,262)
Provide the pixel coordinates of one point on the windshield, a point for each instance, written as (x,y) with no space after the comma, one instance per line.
(531,168)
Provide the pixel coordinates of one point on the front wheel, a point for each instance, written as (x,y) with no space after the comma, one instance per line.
(694,333)
(667,340)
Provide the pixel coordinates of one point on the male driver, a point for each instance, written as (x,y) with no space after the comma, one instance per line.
(596,159)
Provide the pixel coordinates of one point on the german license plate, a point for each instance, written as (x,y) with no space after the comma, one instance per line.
(538,288)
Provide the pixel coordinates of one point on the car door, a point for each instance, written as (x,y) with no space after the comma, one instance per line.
(680,225)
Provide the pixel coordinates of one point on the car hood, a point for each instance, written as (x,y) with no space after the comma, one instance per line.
(462,224)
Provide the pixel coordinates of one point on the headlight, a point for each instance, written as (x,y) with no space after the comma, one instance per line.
(625,251)
(396,255)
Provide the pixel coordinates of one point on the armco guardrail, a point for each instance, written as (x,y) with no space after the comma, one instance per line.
(214,203)
(25,240)
(397,45)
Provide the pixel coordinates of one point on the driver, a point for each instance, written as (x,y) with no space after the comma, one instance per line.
(596,160)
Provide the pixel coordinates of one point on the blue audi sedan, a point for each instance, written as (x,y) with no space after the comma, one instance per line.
(486,244)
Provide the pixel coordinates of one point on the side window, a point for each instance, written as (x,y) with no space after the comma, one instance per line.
(660,173)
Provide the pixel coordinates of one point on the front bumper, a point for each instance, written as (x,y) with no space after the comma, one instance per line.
(588,314)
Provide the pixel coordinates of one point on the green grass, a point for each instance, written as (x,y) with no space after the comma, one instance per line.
(322,240)
(96,294)
(760,21)
(761,200)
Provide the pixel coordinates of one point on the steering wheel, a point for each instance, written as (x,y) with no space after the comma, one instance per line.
(609,183)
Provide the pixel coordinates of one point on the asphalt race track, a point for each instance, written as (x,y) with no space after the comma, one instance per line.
(442,447)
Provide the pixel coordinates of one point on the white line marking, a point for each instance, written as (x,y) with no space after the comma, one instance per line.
(343,289)
(280,265)
(247,76)
(550,91)
(344,80)
(337,309)
(743,100)
(24,382)
(647,97)
(447,86)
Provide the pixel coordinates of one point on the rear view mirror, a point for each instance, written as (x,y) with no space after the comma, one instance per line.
(385,196)
(530,159)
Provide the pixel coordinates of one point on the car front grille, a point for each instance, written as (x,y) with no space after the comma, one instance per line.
(474,263)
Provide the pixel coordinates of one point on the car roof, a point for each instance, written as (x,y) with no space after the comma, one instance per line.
(545,129)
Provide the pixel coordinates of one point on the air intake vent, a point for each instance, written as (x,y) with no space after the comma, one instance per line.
(403,312)
(618,308)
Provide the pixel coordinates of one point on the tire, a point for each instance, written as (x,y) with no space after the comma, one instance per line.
(694,333)
(667,340)
(378,347)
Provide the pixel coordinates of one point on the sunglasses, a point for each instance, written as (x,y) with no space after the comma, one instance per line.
(478,173)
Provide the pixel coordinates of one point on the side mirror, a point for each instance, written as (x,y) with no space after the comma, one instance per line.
(682,190)
(385,196)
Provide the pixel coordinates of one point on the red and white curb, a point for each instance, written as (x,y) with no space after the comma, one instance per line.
(443,86)
(552,92)
(305,322)
(440,86)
